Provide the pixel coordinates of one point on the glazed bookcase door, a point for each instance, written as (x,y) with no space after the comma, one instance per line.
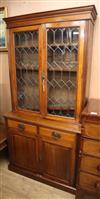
(26,61)
(63,68)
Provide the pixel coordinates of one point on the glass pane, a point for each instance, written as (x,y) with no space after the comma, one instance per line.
(27,68)
(62,58)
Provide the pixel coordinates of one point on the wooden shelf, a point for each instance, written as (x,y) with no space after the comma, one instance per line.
(62,45)
(70,67)
(51,45)
(62,70)
(50,70)
(24,46)
(28,69)
(60,108)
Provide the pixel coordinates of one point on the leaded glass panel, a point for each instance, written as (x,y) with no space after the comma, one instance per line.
(27,68)
(62,60)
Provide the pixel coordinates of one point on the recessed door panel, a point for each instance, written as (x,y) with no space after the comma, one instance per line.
(57,161)
(23,151)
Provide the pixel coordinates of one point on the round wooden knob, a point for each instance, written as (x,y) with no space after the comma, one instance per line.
(98,167)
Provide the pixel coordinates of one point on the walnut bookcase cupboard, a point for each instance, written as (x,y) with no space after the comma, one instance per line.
(49,59)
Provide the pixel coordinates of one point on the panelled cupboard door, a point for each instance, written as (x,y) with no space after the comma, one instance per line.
(64,53)
(25,68)
(57,158)
(56,161)
(22,150)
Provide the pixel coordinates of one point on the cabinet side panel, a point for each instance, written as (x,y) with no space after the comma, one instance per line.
(89,58)
(87,62)
(12,71)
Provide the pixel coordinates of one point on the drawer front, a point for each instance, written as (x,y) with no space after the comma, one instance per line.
(92,130)
(58,137)
(90,182)
(20,126)
(91,147)
(90,165)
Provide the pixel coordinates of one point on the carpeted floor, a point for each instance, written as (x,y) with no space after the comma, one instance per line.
(14,186)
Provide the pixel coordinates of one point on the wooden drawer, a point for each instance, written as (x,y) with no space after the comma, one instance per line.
(92,130)
(90,164)
(89,182)
(91,147)
(20,126)
(59,137)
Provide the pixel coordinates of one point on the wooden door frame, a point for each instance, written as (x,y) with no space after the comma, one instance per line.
(12,68)
(79,86)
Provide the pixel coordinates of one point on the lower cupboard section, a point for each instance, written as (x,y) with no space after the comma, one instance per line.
(58,155)
(49,156)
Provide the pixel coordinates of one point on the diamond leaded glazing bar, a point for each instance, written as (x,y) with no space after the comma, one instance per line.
(26,51)
(62,57)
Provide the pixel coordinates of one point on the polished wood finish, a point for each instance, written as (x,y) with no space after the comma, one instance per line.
(40,122)
(58,136)
(91,147)
(33,151)
(22,127)
(41,145)
(57,151)
(86,194)
(80,13)
(22,149)
(88,181)
(92,130)
(90,165)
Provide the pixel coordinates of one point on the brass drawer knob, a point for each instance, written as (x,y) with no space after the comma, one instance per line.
(98,167)
(56,135)
(21,127)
